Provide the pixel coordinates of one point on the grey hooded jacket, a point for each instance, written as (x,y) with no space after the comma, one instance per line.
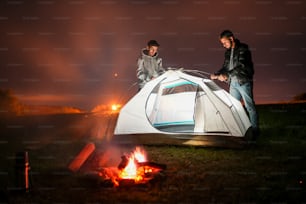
(148,67)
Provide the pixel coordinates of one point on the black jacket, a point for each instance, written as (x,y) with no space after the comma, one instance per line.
(242,60)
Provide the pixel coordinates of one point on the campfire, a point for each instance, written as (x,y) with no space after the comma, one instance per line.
(132,170)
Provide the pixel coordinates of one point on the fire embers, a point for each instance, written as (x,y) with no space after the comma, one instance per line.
(134,169)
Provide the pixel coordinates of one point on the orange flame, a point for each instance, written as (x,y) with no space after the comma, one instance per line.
(131,171)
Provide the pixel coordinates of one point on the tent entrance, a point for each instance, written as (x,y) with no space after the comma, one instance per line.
(182,106)
(171,108)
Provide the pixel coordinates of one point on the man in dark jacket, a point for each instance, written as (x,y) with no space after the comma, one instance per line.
(238,71)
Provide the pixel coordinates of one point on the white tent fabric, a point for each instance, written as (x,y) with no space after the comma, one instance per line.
(179,103)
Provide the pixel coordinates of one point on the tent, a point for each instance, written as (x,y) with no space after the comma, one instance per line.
(179,108)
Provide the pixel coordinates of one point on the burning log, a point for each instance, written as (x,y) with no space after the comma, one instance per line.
(153,165)
(133,170)
(124,162)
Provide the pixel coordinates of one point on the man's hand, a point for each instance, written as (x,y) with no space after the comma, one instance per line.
(220,77)
(213,76)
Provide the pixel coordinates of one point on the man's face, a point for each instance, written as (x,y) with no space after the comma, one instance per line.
(152,50)
(226,42)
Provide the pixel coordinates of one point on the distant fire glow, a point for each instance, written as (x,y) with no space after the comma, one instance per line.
(115,107)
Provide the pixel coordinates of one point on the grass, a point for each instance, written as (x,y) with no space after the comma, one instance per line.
(271,171)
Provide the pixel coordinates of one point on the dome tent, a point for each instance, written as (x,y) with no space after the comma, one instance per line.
(179,108)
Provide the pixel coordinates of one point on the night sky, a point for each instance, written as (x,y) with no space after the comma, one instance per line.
(84,53)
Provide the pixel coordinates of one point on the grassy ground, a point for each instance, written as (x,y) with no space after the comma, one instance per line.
(271,171)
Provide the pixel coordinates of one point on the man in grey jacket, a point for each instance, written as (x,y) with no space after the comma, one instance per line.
(149,64)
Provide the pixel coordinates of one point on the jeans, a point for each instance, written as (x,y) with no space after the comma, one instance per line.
(245,92)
